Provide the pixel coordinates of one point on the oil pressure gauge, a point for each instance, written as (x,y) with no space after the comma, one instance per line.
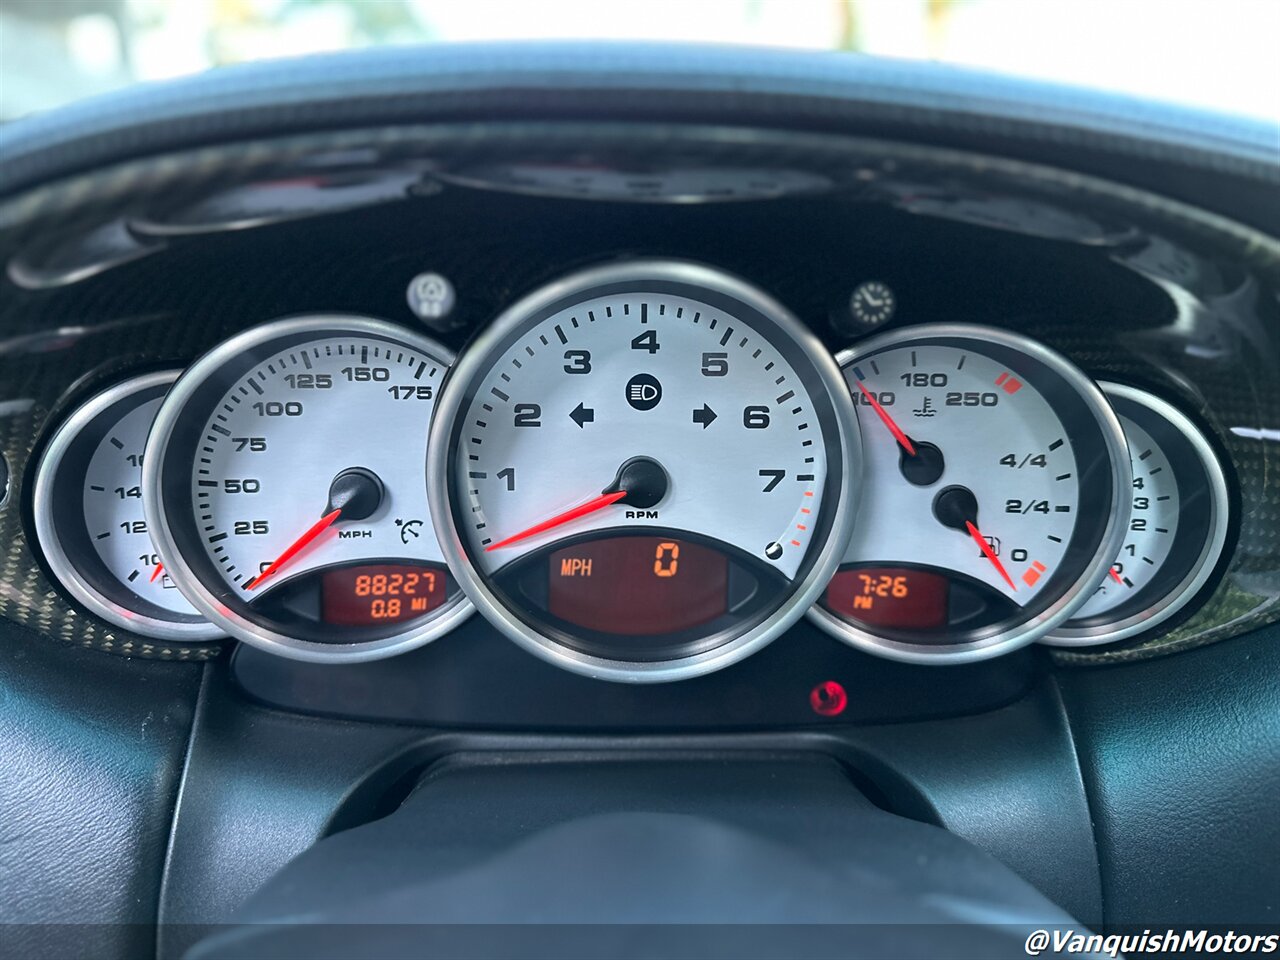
(1176,530)
(89,519)
(994,500)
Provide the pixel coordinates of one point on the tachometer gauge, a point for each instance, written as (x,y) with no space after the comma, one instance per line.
(285,492)
(1176,530)
(88,515)
(995,496)
(645,471)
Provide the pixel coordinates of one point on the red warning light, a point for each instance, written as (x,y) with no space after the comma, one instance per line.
(828,699)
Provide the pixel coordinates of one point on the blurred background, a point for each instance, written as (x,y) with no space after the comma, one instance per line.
(1221,54)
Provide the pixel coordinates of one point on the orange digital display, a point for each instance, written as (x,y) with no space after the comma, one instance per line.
(638,585)
(890,597)
(380,593)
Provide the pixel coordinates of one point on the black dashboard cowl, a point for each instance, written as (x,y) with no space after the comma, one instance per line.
(1226,163)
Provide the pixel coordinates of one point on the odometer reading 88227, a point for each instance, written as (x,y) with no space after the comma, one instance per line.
(646,469)
(288,488)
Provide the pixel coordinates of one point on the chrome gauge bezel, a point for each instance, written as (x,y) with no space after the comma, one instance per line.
(69,565)
(158,509)
(477,361)
(1172,599)
(1061,609)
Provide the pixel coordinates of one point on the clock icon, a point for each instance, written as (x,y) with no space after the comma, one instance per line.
(872,303)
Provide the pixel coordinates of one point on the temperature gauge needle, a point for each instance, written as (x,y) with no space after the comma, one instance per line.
(985,547)
(896,430)
(317,528)
(581,510)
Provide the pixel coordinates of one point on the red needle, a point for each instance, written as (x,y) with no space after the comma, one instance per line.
(888,420)
(155,574)
(1116,577)
(581,510)
(986,548)
(317,528)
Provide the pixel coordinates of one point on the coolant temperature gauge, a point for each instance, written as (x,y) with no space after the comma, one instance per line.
(994,497)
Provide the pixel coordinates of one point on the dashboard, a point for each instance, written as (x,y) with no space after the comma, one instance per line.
(703,409)
(529,443)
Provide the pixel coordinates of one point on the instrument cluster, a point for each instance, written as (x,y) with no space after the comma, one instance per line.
(642,471)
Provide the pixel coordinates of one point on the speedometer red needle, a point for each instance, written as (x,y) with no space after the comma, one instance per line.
(581,510)
(991,555)
(898,435)
(317,528)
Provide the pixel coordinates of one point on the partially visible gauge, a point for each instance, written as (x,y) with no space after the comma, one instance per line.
(994,500)
(645,471)
(1176,531)
(89,521)
(285,491)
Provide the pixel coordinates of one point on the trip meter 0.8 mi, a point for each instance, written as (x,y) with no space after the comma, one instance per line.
(284,488)
(995,496)
(645,471)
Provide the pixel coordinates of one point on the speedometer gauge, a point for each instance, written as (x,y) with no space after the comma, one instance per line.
(88,514)
(284,488)
(1176,530)
(645,471)
(996,495)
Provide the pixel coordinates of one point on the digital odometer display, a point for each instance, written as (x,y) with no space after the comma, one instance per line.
(638,585)
(380,593)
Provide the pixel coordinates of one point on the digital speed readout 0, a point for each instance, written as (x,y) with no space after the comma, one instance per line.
(382,593)
(638,585)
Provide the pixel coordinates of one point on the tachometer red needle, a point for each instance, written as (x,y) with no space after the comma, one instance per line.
(986,548)
(581,510)
(155,574)
(888,420)
(1116,577)
(317,528)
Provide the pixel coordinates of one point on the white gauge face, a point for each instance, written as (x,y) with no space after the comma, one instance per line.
(290,493)
(286,429)
(89,515)
(1176,529)
(992,471)
(113,512)
(1153,523)
(659,376)
(644,469)
(997,438)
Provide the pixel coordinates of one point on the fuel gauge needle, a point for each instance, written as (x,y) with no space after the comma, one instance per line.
(985,547)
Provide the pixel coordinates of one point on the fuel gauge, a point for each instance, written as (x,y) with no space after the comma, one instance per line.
(994,498)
